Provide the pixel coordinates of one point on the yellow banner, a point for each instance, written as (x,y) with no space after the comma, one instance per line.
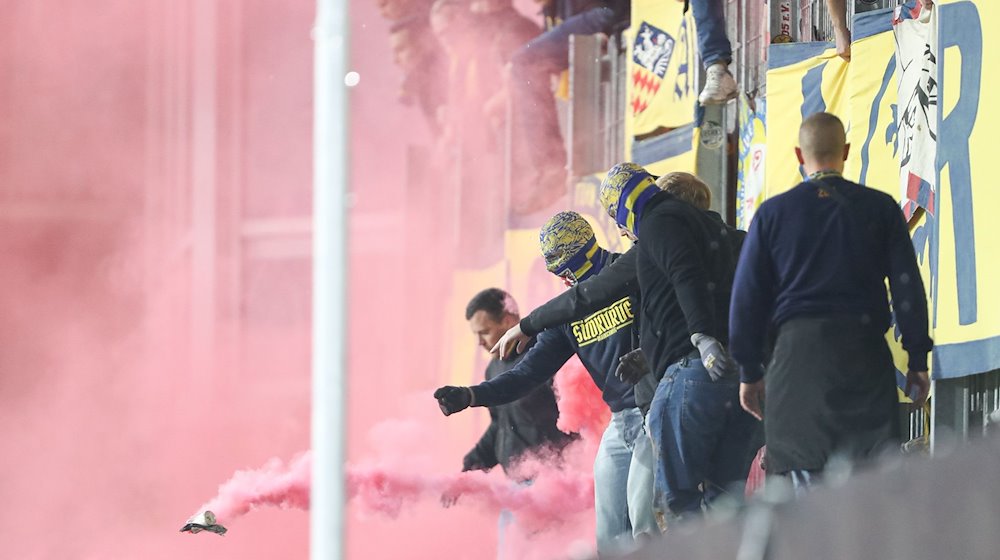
(871,112)
(662,52)
(962,247)
(803,79)
(955,244)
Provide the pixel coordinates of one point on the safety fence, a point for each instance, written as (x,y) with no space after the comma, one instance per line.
(899,509)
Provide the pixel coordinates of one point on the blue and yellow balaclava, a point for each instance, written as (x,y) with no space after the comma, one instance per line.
(570,247)
(624,193)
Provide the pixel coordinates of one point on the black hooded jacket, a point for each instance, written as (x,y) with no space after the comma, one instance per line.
(685,265)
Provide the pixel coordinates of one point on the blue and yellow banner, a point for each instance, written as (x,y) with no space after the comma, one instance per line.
(962,247)
(811,77)
(751,152)
(662,52)
(950,205)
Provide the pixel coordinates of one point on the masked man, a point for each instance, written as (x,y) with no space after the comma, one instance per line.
(622,484)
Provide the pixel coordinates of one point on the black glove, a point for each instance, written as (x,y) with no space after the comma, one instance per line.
(471,462)
(632,366)
(453,399)
(714,357)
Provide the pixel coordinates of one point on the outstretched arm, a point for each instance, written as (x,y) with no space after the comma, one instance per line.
(538,366)
(614,282)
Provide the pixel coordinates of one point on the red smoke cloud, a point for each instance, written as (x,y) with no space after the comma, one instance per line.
(581,408)
(553,495)
(404,473)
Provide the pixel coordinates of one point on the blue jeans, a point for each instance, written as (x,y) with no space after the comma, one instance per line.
(537,139)
(504,522)
(710,22)
(640,486)
(700,437)
(612,474)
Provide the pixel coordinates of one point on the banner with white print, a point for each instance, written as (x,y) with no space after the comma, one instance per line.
(915,30)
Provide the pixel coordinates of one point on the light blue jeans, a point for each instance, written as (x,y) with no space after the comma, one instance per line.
(710,22)
(504,521)
(623,482)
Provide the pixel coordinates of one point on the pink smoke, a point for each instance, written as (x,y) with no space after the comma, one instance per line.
(581,408)
(276,484)
(405,475)
(553,494)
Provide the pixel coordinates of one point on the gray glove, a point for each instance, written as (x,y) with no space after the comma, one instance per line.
(714,357)
(632,366)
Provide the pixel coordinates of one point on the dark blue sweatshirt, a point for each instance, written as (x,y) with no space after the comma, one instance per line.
(821,248)
(598,339)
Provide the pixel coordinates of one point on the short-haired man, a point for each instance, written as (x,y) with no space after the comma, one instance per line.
(813,269)
(525,424)
(622,485)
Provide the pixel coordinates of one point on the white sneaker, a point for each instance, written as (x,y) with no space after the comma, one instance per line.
(719,85)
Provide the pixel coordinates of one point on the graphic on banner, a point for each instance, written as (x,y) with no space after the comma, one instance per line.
(917,114)
(661,56)
(651,53)
(750,171)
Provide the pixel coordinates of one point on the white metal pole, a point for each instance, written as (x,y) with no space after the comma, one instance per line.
(329,387)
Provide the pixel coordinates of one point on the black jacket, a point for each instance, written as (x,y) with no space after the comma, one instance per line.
(685,265)
(527,424)
(615,281)
(599,339)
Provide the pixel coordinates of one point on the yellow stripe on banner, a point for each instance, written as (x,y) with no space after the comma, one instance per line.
(871,93)
(630,201)
(785,90)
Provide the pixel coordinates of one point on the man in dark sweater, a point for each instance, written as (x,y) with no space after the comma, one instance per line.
(685,264)
(622,485)
(527,423)
(813,270)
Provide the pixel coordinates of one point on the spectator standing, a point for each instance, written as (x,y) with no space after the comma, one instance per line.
(685,264)
(527,423)
(813,269)
(623,477)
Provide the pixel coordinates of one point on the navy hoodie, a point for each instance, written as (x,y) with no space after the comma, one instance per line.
(599,339)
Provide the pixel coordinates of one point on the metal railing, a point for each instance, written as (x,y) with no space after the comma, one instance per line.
(595,128)
(965,407)
(750,46)
(820,26)
(983,402)
(615,102)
